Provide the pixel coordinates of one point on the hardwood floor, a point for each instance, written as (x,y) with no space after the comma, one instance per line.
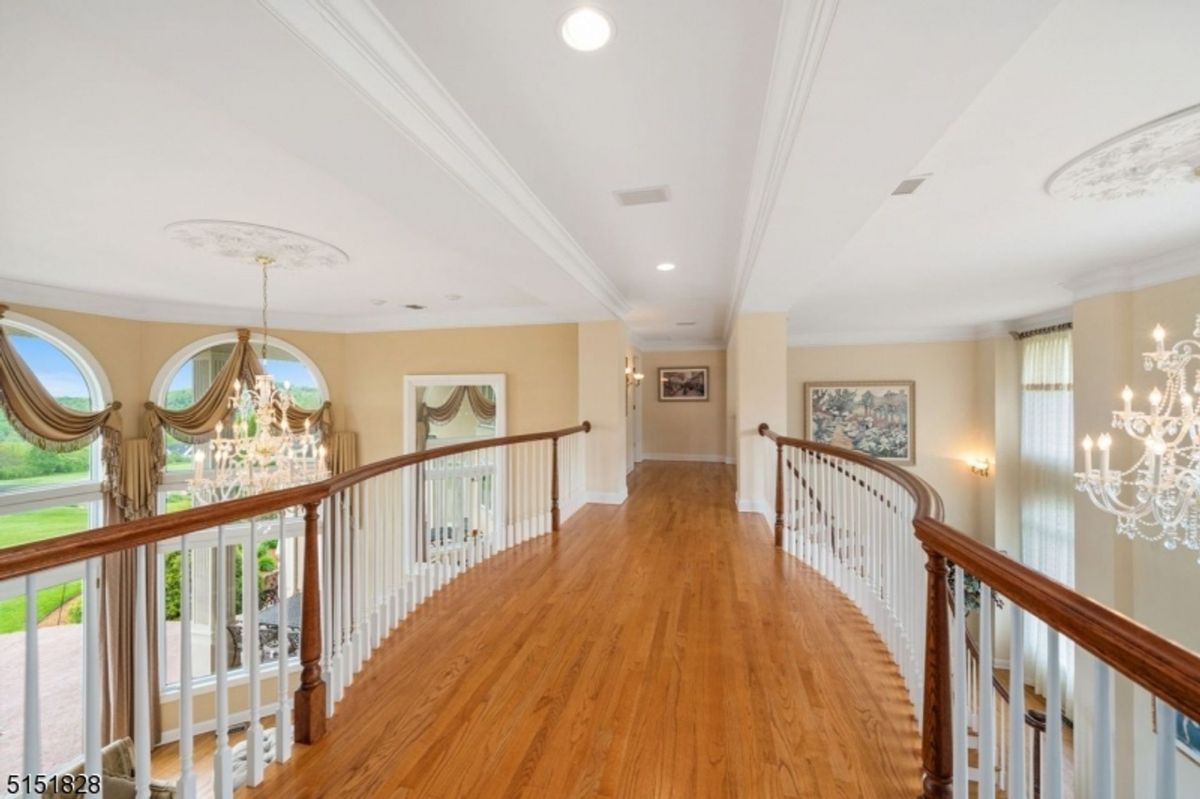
(663,648)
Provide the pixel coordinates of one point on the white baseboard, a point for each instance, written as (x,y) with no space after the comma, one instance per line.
(730,460)
(681,456)
(608,497)
(756,506)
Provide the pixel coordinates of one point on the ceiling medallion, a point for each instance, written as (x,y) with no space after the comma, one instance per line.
(1160,153)
(250,243)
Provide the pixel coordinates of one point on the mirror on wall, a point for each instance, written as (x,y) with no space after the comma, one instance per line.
(450,409)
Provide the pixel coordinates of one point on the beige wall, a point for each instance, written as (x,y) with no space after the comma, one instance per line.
(364,371)
(539,361)
(693,430)
(759,342)
(946,419)
(603,401)
(132,352)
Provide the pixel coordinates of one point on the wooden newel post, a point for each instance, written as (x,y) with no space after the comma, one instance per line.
(937,740)
(554,484)
(778,494)
(310,697)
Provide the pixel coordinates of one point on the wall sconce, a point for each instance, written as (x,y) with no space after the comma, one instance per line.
(980,466)
(632,376)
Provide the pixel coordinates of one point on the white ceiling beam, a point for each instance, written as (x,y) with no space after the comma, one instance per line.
(357,40)
(803,31)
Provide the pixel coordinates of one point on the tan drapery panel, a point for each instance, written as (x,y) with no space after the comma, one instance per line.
(117,620)
(136,492)
(342,452)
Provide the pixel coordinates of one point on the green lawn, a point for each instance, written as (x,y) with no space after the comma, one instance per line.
(12,611)
(28,482)
(34,525)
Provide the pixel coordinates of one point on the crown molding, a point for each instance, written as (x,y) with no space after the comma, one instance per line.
(1152,271)
(928,335)
(685,346)
(361,45)
(803,32)
(139,309)
(865,337)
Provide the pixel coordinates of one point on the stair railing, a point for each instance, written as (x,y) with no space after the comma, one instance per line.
(891,558)
(356,554)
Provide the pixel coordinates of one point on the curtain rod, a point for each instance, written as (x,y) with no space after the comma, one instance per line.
(1041,331)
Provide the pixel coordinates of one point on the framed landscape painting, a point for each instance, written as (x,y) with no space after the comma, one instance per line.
(874,417)
(683,383)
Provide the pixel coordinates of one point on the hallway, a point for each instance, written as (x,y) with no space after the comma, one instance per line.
(663,648)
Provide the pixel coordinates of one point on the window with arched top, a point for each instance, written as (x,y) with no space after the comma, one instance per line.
(189,373)
(44,494)
(180,382)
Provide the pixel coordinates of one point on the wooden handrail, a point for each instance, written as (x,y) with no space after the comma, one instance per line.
(928,502)
(37,556)
(1161,666)
(1164,668)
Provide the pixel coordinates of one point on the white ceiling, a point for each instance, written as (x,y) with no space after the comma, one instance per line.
(459,148)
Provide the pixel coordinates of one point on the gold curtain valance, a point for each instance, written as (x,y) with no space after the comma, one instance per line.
(483,408)
(45,423)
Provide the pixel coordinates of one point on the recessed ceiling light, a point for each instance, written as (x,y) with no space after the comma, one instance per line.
(685,324)
(665,267)
(378,301)
(586,29)
(454,297)
(412,306)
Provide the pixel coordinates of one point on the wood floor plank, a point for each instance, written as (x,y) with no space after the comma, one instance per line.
(663,648)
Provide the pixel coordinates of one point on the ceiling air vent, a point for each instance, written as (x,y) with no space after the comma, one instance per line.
(909,185)
(650,194)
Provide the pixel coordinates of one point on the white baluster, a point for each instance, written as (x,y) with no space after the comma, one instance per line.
(91,660)
(250,644)
(32,753)
(1102,734)
(223,756)
(958,670)
(987,697)
(1052,779)
(186,785)
(141,678)
(283,712)
(1164,751)
(328,595)
(1016,698)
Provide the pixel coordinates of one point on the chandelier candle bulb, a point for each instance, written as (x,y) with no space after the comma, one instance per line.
(1087,455)
(1104,444)
(1127,396)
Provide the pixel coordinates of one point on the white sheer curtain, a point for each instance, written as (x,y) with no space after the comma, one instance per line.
(1047,493)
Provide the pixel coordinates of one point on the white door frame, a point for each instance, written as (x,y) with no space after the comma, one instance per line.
(408,416)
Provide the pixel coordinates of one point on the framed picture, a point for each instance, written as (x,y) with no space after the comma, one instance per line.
(874,417)
(683,384)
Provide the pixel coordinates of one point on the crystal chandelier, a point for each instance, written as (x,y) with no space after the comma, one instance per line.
(262,453)
(1155,499)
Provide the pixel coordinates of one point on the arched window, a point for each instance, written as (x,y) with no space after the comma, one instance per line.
(44,494)
(182,379)
(189,373)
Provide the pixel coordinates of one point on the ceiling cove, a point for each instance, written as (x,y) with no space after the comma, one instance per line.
(362,46)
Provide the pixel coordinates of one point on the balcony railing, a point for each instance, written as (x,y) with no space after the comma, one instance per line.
(876,531)
(356,554)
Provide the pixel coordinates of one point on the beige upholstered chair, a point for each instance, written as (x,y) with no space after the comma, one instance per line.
(116,763)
